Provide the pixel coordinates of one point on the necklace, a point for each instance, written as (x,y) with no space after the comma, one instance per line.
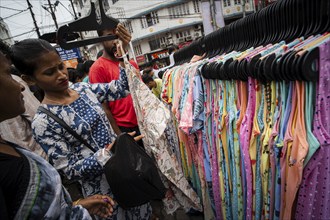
(55,101)
(64,101)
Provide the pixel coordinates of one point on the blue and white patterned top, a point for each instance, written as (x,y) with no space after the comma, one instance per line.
(86,116)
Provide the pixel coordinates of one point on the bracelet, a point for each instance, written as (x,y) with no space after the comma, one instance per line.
(106,152)
(76,202)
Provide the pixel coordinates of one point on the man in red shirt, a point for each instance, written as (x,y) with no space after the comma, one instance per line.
(121,112)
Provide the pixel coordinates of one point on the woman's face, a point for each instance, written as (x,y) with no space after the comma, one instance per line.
(11,97)
(51,74)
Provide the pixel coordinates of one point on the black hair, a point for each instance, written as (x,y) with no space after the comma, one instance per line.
(80,70)
(146,78)
(25,54)
(37,92)
(172,48)
(147,71)
(4,48)
(87,65)
(149,64)
(99,32)
(14,71)
(72,75)
(161,73)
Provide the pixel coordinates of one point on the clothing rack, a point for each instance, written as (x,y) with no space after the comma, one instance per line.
(284,20)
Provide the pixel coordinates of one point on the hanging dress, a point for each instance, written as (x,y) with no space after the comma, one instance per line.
(154,123)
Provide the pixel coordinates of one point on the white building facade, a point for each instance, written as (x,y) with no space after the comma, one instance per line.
(156,25)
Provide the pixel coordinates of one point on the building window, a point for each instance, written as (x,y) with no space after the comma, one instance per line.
(114,1)
(120,12)
(237,2)
(137,50)
(197,6)
(226,3)
(143,22)
(154,44)
(128,26)
(149,19)
(183,36)
(179,11)
(155,18)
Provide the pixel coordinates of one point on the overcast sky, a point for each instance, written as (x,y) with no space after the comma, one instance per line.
(23,23)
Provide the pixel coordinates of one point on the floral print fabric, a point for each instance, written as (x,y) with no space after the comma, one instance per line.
(154,121)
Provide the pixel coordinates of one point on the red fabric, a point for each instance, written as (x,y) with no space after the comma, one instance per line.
(134,64)
(103,71)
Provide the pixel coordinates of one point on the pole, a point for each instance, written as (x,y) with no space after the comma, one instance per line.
(213,14)
(132,50)
(53,14)
(219,14)
(206,16)
(76,17)
(74,11)
(33,18)
(243,6)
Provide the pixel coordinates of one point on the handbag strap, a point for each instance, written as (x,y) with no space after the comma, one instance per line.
(66,127)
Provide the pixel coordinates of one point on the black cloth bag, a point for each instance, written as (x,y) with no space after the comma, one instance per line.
(132,174)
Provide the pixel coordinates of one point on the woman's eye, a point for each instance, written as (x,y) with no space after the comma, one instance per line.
(48,72)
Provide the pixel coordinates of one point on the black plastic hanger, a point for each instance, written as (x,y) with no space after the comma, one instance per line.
(204,71)
(310,16)
(241,75)
(279,67)
(295,69)
(231,70)
(236,70)
(217,68)
(285,20)
(252,66)
(263,26)
(87,23)
(309,65)
(274,30)
(223,70)
(287,64)
(212,68)
(267,67)
(323,17)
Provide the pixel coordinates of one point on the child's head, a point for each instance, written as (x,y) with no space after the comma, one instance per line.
(148,71)
(87,65)
(149,81)
(73,75)
(40,65)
